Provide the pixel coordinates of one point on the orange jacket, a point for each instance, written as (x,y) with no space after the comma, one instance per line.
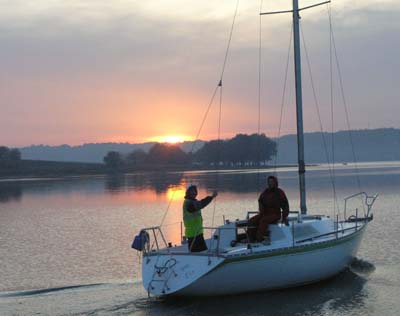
(271,202)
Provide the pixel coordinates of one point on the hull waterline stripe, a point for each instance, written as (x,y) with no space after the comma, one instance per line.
(292,250)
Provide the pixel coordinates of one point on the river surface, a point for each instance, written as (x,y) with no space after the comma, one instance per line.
(65,243)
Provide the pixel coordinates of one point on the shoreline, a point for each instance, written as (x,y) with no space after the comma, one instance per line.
(101,171)
(52,170)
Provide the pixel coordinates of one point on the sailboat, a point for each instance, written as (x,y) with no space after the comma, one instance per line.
(309,249)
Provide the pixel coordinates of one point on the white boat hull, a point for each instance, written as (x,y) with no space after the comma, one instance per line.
(273,271)
(247,268)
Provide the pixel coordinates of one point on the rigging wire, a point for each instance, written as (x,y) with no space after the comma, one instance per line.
(191,151)
(332,114)
(168,207)
(219,154)
(204,118)
(316,103)
(344,99)
(218,87)
(283,95)
(229,41)
(350,134)
(259,95)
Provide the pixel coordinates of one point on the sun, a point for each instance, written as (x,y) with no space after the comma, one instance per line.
(171,139)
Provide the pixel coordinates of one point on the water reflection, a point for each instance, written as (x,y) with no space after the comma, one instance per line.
(61,219)
(340,295)
(10,192)
(237,181)
(345,294)
(176,192)
(114,183)
(240,181)
(162,183)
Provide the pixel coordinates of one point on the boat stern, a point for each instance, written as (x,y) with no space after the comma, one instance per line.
(168,273)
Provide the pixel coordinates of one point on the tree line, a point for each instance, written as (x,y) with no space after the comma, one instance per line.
(10,158)
(11,164)
(240,151)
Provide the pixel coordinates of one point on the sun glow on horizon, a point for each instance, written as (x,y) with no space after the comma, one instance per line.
(171,139)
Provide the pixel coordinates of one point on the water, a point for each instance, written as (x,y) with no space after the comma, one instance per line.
(65,243)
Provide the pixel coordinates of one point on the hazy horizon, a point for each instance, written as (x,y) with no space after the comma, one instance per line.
(185,141)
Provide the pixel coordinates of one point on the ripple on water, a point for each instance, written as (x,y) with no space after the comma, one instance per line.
(361,265)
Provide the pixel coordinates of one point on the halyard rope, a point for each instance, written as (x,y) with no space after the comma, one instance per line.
(219,86)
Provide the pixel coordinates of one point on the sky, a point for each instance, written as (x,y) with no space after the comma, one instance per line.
(83,71)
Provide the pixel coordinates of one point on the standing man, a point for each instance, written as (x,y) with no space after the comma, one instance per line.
(270,204)
(192,218)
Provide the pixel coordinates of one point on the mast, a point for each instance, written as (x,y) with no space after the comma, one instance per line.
(299,107)
(299,99)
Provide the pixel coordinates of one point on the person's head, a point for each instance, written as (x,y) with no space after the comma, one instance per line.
(191,191)
(272,182)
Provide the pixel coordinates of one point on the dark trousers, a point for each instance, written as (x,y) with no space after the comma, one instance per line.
(261,226)
(197,244)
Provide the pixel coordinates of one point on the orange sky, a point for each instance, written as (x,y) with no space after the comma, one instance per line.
(82,71)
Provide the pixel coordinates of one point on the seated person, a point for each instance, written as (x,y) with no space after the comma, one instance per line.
(270,204)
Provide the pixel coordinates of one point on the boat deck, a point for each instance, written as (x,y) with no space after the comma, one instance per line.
(310,231)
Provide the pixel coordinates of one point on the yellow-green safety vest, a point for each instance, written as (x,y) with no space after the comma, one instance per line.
(193,221)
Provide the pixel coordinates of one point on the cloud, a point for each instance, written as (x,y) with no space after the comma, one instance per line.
(80,71)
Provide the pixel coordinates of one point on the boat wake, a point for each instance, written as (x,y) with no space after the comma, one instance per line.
(362,266)
(48,290)
(129,298)
(84,299)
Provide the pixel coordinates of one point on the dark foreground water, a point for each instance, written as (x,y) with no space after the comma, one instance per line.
(65,243)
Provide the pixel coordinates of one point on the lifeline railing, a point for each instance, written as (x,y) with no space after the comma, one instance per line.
(369,202)
(154,244)
(216,235)
(147,248)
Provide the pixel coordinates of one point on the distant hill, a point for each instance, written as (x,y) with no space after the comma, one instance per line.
(93,152)
(370,145)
